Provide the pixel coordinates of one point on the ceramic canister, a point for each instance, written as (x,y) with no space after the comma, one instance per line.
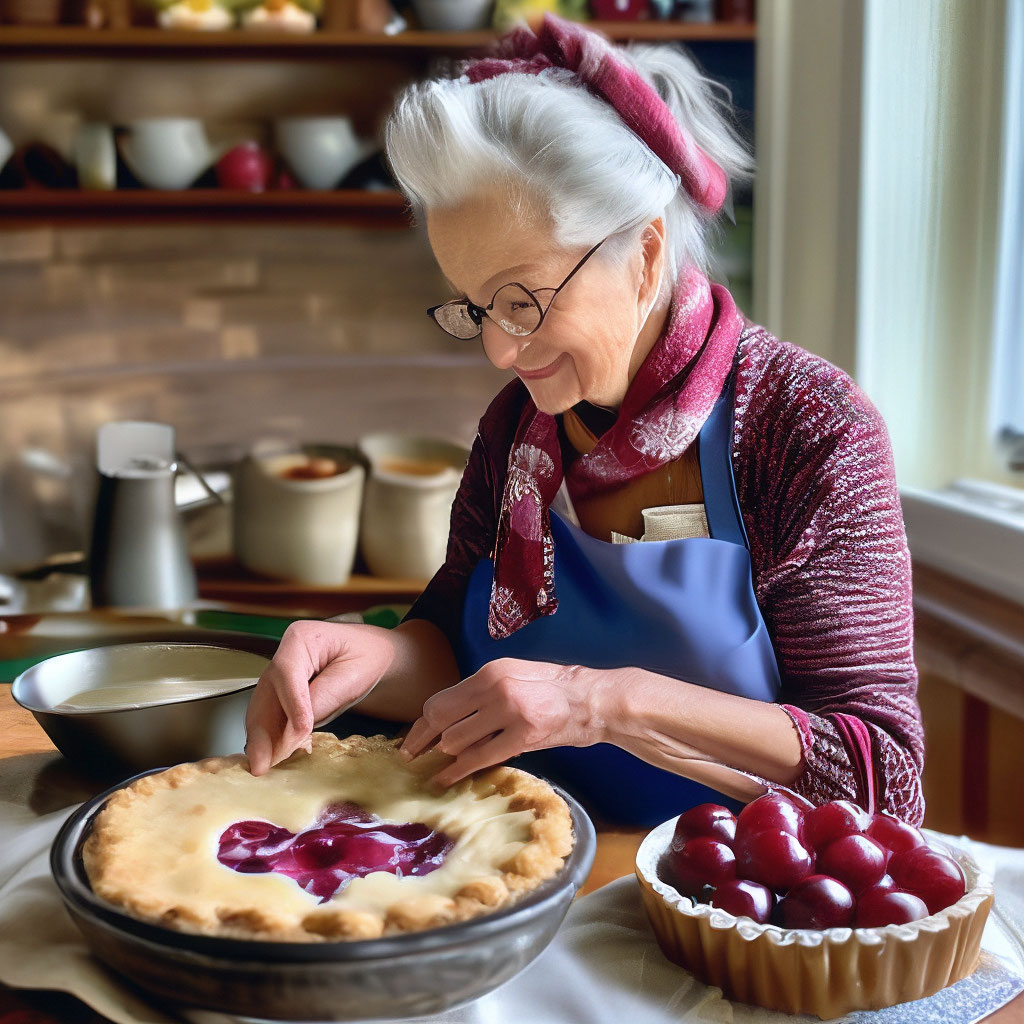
(292,524)
(407,510)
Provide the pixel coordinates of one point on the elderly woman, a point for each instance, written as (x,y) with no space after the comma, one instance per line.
(677,569)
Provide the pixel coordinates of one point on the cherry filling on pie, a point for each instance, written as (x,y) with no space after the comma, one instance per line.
(345,843)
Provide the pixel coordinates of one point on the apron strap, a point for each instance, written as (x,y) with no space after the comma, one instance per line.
(714,448)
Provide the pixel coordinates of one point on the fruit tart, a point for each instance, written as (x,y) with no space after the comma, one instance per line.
(810,909)
(347,841)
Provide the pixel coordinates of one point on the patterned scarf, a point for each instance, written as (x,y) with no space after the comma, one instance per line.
(665,406)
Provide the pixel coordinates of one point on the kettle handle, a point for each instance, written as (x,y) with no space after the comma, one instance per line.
(215,497)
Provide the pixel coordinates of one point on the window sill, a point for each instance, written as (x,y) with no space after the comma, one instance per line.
(971,530)
(967,547)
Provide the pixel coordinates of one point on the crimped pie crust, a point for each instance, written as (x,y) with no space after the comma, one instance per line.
(152,850)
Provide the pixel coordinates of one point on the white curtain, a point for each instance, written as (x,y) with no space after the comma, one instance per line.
(878,207)
(1008,364)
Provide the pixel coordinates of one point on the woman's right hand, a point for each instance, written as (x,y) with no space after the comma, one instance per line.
(318,669)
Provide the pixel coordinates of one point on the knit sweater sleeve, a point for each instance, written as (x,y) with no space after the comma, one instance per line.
(816,484)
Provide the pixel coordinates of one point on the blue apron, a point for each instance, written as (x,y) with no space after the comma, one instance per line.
(682,608)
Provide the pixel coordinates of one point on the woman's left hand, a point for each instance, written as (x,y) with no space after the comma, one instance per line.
(508,707)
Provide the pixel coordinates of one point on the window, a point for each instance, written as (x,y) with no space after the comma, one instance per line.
(1007,398)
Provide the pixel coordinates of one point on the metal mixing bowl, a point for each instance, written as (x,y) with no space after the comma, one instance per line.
(401,976)
(127,739)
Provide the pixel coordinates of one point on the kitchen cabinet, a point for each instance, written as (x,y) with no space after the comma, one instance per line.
(969,649)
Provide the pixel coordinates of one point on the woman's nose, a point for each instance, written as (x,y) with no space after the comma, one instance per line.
(501,348)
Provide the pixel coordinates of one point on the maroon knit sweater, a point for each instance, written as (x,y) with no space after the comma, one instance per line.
(817,489)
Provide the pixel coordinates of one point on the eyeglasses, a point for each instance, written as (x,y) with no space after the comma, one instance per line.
(513,307)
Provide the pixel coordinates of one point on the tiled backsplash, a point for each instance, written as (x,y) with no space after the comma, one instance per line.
(229,333)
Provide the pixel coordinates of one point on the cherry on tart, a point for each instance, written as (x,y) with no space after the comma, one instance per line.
(855,860)
(832,821)
(817,901)
(705,820)
(744,899)
(937,879)
(800,872)
(771,811)
(701,861)
(772,857)
(894,834)
(878,907)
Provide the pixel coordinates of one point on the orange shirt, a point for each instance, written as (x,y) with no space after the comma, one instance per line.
(675,483)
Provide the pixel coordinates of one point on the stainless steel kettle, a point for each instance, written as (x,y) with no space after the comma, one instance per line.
(138,555)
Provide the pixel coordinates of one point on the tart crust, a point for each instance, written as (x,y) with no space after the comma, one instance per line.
(153,848)
(827,972)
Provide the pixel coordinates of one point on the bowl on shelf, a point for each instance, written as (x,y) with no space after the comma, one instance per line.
(453,15)
(167,152)
(320,150)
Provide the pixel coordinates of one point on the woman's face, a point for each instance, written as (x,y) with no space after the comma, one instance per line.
(599,328)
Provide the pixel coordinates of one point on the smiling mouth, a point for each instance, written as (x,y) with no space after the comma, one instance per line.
(544,371)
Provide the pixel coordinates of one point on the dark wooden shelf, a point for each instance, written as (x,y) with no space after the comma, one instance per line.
(29,207)
(223,579)
(78,41)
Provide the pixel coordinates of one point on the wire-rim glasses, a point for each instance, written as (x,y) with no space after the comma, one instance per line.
(513,307)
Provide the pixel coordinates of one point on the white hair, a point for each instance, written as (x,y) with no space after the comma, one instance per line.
(549,139)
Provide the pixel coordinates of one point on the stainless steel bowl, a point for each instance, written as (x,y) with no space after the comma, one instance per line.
(402,976)
(127,739)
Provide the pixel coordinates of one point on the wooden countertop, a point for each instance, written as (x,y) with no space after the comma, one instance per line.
(30,766)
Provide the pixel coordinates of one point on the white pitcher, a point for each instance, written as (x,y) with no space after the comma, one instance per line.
(167,152)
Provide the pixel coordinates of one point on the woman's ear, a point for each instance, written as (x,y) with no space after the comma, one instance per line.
(652,247)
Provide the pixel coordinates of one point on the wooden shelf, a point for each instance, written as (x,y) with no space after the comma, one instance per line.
(78,41)
(223,579)
(358,208)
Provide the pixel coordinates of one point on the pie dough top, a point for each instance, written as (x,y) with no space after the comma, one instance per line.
(153,848)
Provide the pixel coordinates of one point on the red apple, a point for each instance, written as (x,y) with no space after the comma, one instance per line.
(246,167)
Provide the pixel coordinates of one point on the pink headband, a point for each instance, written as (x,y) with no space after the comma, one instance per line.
(565,44)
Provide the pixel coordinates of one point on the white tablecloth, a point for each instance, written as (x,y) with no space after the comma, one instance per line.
(603,966)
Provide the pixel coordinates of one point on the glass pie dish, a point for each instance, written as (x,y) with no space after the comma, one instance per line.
(829,972)
(404,975)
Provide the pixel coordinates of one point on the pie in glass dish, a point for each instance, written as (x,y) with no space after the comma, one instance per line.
(345,842)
